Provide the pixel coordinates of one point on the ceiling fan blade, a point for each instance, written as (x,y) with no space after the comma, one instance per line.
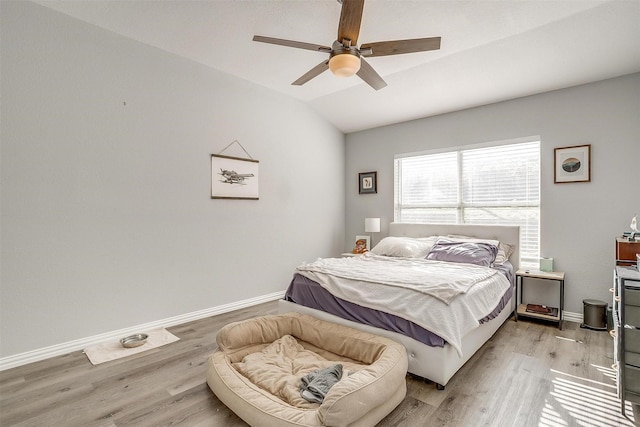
(350,19)
(292,43)
(314,72)
(369,75)
(397,47)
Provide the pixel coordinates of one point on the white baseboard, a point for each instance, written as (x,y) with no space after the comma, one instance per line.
(572,317)
(70,346)
(568,316)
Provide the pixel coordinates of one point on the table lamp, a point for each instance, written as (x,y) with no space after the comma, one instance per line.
(372,225)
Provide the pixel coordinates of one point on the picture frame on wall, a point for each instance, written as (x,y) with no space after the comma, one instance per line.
(368,182)
(572,164)
(234,178)
(362,244)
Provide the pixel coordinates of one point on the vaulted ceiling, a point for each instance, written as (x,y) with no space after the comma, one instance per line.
(491,50)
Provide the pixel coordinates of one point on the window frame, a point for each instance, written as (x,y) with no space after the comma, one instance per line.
(460,205)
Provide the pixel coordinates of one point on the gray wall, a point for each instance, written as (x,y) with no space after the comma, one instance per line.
(107,220)
(105,204)
(579,221)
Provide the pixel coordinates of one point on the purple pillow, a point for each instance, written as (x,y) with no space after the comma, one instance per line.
(464,252)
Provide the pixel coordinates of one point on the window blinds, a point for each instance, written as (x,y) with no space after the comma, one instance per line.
(488,185)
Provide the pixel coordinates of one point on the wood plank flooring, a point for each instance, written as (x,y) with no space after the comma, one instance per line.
(528,374)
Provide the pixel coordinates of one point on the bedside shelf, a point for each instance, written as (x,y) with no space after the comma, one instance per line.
(348,254)
(554,276)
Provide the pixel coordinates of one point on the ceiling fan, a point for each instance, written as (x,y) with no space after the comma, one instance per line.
(345,58)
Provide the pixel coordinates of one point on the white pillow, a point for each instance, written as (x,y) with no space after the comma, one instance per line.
(406,247)
(504,249)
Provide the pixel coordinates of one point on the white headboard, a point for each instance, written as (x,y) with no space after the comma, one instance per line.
(509,234)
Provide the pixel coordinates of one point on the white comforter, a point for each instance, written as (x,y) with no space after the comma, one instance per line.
(415,289)
(442,280)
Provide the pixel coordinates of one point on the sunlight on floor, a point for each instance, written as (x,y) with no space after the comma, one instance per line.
(585,402)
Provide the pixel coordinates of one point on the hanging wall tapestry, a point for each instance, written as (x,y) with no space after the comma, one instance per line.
(234,177)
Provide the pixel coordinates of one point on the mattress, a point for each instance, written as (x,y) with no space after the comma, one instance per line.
(306,292)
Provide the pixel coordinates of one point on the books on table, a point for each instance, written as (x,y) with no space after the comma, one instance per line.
(542,309)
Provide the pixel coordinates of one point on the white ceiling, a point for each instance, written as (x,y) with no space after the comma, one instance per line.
(491,50)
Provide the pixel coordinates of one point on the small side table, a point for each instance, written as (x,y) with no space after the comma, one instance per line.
(521,309)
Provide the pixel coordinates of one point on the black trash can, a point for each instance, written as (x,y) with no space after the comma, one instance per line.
(594,315)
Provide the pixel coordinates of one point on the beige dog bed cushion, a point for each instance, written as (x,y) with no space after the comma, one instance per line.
(257,368)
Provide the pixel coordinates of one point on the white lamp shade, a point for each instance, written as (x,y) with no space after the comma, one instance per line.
(344,64)
(372,225)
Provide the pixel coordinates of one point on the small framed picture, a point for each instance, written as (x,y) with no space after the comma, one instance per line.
(362,244)
(572,164)
(367,182)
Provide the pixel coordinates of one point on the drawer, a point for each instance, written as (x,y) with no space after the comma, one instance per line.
(631,297)
(632,397)
(632,315)
(631,358)
(631,340)
(632,379)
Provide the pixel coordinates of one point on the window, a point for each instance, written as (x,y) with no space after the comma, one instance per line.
(488,184)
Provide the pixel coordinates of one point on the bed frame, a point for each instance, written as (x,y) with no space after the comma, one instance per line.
(437,364)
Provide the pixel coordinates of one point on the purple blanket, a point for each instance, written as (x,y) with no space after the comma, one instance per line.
(310,294)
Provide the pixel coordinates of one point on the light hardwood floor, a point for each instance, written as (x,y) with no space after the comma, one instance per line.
(528,374)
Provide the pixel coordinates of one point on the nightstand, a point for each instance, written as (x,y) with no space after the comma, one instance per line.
(521,310)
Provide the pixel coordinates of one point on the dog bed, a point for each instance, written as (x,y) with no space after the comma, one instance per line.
(257,368)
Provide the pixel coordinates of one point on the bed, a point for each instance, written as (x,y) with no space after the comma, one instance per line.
(430,355)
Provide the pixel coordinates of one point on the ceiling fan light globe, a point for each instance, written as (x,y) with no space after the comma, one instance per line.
(344,64)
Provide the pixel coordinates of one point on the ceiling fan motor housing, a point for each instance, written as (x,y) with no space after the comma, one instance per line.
(344,60)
